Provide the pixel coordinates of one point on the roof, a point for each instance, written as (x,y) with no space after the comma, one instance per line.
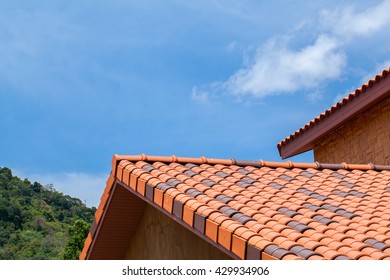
(363,98)
(252,209)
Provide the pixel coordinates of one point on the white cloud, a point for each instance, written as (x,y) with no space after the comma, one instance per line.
(277,69)
(347,22)
(87,187)
(199,96)
(315,95)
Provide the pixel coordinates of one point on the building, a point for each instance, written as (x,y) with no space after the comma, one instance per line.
(357,129)
(201,208)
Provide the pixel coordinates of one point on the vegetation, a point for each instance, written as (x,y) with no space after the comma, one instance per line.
(38,222)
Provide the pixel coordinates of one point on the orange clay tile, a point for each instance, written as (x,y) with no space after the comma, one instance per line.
(279,227)
(345,250)
(193,203)
(141,186)
(224,237)
(226,222)
(126,176)
(183,198)
(291,257)
(88,241)
(239,246)
(358,245)
(312,245)
(168,202)
(133,181)
(247,234)
(294,236)
(272,235)
(369,250)
(287,244)
(331,254)
(259,242)
(188,215)
(98,215)
(215,215)
(158,197)
(207,212)
(365,258)
(355,254)
(335,244)
(214,203)
(254,239)
(318,236)
(265,230)
(336,235)
(235,226)
(255,226)
(267,257)
(204,199)
(378,255)
(103,200)
(322,249)
(222,218)
(172,192)
(212,230)
(151,181)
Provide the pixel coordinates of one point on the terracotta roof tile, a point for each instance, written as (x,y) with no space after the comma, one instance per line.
(266,209)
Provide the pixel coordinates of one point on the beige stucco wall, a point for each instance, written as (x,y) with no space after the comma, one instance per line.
(364,139)
(160,237)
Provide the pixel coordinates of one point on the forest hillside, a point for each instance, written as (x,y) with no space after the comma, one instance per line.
(38,222)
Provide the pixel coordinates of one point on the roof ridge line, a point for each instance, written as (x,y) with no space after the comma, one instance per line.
(258,163)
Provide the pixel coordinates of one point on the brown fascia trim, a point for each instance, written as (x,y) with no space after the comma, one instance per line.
(305,141)
(181,222)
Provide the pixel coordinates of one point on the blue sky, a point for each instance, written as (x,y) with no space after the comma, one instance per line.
(219,78)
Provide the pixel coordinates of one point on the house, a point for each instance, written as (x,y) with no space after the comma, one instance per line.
(201,208)
(357,129)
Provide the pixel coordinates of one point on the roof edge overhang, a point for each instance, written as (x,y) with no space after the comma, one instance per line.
(305,139)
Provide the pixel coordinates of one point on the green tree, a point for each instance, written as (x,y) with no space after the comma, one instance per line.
(78,233)
(38,222)
(5,173)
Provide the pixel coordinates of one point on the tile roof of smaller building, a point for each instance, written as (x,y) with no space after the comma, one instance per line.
(356,102)
(259,209)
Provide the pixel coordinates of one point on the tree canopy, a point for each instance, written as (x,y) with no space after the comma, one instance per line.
(38,222)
